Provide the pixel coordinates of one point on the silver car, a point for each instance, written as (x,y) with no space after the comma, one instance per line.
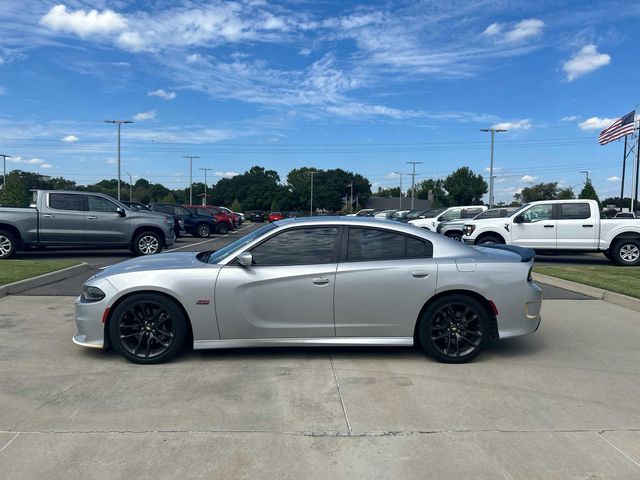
(314,282)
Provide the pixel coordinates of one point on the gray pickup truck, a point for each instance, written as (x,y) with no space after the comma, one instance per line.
(81,219)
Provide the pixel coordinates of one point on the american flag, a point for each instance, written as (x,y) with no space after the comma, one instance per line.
(618,129)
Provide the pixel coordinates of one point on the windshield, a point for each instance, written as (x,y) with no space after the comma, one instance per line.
(223,253)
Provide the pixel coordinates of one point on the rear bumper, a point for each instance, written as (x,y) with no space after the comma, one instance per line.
(521,317)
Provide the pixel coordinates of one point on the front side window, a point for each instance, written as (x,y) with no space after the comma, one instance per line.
(99,204)
(451,215)
(67,201)
(574,211)
(538,213)
(177,210)
(300,246)
(366,245)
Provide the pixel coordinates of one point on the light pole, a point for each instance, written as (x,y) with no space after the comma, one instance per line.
(493,178)
(204,202)
(118,123)
(493,132)
(351,204)
(413,183)
(130,187)
(399,174)
(4,172)
(312,173)
(190,157)
(586,172)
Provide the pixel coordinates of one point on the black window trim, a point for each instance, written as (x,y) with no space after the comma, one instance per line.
(344,246)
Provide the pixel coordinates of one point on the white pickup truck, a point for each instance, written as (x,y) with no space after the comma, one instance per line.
(562,225)
(431,222)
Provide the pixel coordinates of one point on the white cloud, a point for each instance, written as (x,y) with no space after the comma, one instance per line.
(528,178)
(493,29)
(613,179)
(305,52)
(142,116)
(524,29)
(70,139)
(110,161)
(46,165)
(225,174)
(524,124)
(83,23)
(595,123)
(26,161)
(586,60)
(570,118)
(162,93)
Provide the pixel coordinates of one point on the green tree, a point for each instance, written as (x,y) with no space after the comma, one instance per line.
(274,207)
(235,206)
(537,192)
(16,193)
(168,198)
(565,194)
(387,192)
(464,187)
(436,187)
(588,192)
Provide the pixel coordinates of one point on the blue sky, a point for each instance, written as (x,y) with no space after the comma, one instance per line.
(361,86)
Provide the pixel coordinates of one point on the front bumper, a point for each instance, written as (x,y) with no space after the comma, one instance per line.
(89,315)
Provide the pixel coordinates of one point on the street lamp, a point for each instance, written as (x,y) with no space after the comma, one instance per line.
(130,187)
(586,172)
(493,132)
(400,175)
(205,202)
(118,123)
(4,172)
(190,157)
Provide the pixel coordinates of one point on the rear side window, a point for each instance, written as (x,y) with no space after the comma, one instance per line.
(66,201)
(470,212)
(301,246)
(203,211)
(574,211)
(366,245)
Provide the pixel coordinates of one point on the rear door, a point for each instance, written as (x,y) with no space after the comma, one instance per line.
(104,225)
(62,221)
(383,280)
(538,230)
(576,226)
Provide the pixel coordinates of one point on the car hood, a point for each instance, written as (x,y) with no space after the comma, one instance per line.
(162,261)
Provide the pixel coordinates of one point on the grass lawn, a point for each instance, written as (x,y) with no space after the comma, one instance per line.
(14,270)
(625,280)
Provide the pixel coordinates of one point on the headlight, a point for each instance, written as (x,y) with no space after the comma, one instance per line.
(92,294)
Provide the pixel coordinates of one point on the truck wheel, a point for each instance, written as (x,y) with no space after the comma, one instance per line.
(203,230)
(489,240)
(626,252)
(8,243)
(222,228)
(457,236)
(147,243)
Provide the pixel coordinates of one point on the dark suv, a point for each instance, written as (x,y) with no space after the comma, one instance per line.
(198,224)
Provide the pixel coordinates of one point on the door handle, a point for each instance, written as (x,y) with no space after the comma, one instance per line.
(420,274)
(320,281)
(587,226)
(91,217)
(48,215)
(548,226)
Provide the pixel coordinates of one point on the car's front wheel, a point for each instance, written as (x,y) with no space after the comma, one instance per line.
(147,328)
(626,252)
(454,329)
(457,236)
(489,240)
(147,243)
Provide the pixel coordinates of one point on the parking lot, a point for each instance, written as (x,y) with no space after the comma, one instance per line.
(561,403)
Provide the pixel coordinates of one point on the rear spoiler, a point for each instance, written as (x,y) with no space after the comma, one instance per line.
(526,254)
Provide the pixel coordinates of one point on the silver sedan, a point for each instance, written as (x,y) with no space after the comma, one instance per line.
(314,282)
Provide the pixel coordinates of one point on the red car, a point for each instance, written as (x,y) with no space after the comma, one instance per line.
(273,216)
(224,222)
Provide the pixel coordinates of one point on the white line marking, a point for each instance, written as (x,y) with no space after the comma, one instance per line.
(344,409)
(9,443)
(234,232)
(636,463)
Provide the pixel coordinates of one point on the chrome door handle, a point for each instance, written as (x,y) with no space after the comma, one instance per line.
(419,274)
(320,281)
(548,226)
(48,215)
(91,217)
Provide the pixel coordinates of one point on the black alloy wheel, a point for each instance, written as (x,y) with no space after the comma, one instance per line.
(203,230)
(454,329)
(457,236)
(147,328)
(222,228)
(489,240)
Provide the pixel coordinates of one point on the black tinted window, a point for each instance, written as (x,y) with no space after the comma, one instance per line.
(371,245)
(417,248)
(66,201)
(99,204)
(177,210)
(574,211)
(470,212)
(203,211)
(302,246)
(491,214)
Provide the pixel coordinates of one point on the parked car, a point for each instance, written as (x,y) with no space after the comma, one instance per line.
(455,228)
(81,219)
(430,219)
(384,214)
(194,224)
(562,225)
(237,221)
(361,213)
(274,216)
(421,213)
(455,299)
(178,223)
(257,216)
(625,215)
(399,215)
(224,221)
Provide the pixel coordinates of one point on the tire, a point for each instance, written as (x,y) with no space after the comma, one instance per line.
(626,252)
(148,328)
(8,244)
(457,236)
(203,230)
(222,228)
(147,243)
(489,240)
(443,321)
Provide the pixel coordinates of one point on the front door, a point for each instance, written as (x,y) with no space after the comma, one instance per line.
(104,224)
(286,293)
(538,229)
(382,283)
(62,221)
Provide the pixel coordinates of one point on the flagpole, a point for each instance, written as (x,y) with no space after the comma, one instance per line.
(624,168)
(636,169)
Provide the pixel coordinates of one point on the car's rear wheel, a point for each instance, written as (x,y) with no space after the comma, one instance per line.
(489,240)
(457,236)
(147,243)
(626,252)
(203,230)
(147,328)
(222,228)
(454,329)
(8,244)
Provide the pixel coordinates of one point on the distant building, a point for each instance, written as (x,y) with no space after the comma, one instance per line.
(393,203)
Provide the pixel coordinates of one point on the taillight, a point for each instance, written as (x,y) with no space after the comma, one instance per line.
(530,275)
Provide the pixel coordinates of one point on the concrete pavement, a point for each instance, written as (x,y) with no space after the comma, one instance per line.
(559,404)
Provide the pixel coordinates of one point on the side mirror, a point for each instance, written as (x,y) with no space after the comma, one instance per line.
(518,219)
(245,259)
(120,211)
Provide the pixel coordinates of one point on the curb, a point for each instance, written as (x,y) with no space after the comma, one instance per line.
(593,292)
(44,279)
